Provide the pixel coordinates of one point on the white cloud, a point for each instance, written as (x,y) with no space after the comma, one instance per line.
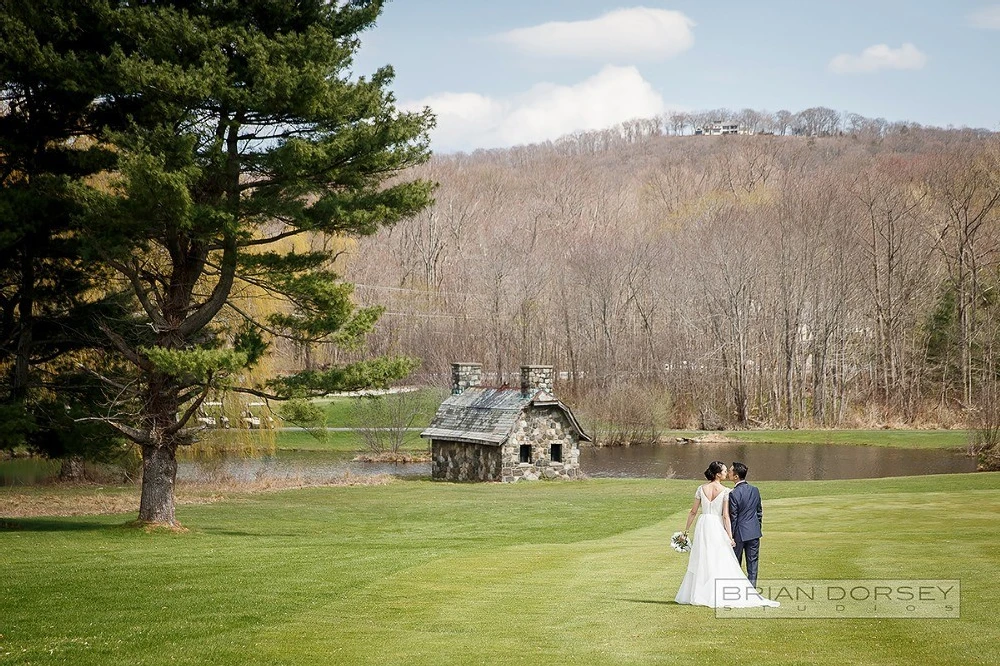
(987,18)
(466,121)
(623,35)
(879,57)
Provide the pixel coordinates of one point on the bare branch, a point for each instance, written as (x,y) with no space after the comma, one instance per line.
(188,413)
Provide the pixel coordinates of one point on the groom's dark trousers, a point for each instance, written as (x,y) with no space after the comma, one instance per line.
(746,516)
(752,550)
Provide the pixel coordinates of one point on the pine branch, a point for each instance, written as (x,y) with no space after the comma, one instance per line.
(123,347)
(178,425)
(141,294)
(261,394)
(207,311)
(140,437)
(271,239)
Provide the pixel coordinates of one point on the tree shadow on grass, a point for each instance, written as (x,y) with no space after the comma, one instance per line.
(658,602)
(53,525)
(63,525)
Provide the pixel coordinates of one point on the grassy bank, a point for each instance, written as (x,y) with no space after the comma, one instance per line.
(903,439)
(339,412)
(425,573)
(299,440)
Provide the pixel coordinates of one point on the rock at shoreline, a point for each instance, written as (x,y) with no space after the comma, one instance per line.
(710,438)
(393,458)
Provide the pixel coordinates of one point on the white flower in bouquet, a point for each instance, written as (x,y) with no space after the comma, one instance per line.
(680,542)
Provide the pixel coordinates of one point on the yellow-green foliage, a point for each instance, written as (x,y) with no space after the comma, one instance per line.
(203,365)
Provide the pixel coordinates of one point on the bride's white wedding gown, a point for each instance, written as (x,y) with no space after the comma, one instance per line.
(711,559)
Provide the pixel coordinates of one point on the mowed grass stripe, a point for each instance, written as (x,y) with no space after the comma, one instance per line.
(418,572)
(605,590)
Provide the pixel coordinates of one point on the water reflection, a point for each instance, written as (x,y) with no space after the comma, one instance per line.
(27,471)
(684,461)
(306,466)
(772,462)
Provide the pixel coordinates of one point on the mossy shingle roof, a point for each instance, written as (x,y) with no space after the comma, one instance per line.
(488,415)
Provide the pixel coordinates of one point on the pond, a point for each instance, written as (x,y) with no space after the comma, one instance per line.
(307,466)
(774,462)
(683,461)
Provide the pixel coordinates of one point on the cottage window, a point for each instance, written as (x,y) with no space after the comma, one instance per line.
(526,453)
(556,453)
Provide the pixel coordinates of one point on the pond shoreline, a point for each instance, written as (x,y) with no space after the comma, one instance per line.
(681,457)
(909,438)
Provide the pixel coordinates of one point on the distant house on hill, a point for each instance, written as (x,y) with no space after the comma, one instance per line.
(720,128)
(503,434)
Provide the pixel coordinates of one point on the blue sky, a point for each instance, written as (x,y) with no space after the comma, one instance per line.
(514,71)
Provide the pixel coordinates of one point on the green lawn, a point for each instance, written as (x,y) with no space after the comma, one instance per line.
(339,414)
(431,573)
(339,409)
(903,439)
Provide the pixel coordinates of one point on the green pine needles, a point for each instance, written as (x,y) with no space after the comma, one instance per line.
(241,140)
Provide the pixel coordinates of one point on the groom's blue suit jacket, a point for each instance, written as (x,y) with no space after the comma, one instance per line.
(745,512)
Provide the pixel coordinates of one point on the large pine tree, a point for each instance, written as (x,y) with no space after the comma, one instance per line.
(241,125)
(51,73)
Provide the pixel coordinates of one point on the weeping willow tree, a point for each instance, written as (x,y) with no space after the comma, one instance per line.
(243,127)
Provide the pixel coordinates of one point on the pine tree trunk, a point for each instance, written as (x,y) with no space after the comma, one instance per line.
(159,473)
(71,469)
(26,313)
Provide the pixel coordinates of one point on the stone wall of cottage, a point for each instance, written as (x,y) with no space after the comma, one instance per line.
(540,428)
(457,461)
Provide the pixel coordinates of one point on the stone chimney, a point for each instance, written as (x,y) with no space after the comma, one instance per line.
(465,375)
(535,377)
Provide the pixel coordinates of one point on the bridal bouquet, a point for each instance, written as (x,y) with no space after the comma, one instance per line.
(680,542)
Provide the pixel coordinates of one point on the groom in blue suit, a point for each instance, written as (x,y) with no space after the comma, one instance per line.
(746,515)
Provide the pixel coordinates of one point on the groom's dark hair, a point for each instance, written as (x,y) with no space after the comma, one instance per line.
(740,470)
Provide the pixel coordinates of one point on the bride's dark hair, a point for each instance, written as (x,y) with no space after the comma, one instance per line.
(713,469)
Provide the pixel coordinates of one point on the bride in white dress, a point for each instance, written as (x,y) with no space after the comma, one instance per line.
(712,557)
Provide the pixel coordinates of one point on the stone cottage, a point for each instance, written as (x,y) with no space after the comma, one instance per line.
(503,434)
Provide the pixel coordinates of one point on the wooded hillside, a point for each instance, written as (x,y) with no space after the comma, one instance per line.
(708,281)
